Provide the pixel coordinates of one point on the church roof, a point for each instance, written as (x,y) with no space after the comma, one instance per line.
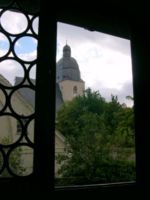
(67,67)
(59,99)
(65,49)
(29,95)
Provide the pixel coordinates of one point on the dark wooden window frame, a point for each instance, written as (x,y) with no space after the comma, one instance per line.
(120,23)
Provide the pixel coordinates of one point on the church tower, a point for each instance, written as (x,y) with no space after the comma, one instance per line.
(68,76)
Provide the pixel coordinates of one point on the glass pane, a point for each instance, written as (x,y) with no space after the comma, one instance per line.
(18,50)
(9,129)
(26,48)
(2,100)
(26,95)
(18,20)
(30,131)
(32,74)
(10,69)
(4,45)
(21,161)
(94,139)
(35,25)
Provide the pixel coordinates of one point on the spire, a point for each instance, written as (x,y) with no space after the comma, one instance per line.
(66,50)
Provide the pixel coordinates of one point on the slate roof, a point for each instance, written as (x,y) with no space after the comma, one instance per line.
(59,98)
(29,94)
(67,67)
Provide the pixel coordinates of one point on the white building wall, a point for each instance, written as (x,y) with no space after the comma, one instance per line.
(67,89)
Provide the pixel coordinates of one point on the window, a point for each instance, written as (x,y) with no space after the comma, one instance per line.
(96,141)
(75,91)
(18,60)
(44,143)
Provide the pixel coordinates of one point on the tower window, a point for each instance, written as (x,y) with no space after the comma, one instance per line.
(75,90)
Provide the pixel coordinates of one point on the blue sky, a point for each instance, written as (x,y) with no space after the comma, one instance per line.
(26,45)
(4,45)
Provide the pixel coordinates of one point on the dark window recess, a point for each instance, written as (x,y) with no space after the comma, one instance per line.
(75,90)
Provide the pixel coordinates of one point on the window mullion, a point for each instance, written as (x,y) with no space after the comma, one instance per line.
(45,101)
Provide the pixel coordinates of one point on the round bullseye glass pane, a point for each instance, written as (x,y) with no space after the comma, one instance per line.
(10,129)
(35,25)
(21,160)
(26,48)
(12,72)
(22,101)
(4,45)
(14,22)
(2,99)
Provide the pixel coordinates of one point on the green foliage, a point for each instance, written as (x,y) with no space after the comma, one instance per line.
(124,133)
(99,141)
(69,116)
(14,160)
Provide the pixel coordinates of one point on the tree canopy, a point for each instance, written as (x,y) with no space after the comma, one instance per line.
(99,140)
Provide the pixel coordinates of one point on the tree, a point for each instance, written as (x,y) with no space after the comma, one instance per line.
(14,160)
(124,132)
(129,97)
(111,113)
(95,151)
(68,117)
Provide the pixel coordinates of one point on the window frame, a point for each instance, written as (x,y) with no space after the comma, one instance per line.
(52,49)
(43,177)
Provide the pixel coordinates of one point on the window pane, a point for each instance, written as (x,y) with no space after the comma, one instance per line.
(94,136)
(18,50)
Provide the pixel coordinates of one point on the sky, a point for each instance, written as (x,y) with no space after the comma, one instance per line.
(104,60)
(25,47)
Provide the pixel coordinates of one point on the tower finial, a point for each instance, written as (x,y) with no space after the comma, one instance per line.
(66,50)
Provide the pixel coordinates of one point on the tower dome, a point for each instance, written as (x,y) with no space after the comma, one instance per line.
(67,67)
(66,51)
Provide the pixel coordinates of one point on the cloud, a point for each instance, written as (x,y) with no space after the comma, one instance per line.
(3,52)
(17,44)
(76,36)
(36,25)
(125,90)
(3,37)
(14,22)
(28,56)
(10,69)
